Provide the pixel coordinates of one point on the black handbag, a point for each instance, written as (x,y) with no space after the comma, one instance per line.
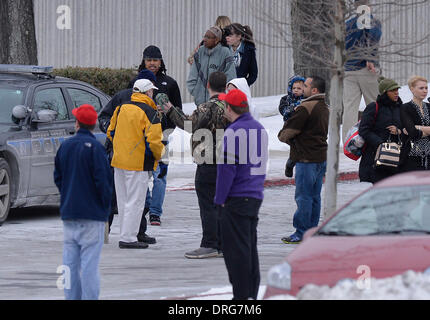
(388,154)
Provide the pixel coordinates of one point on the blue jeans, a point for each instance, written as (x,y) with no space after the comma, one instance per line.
(83,242)
(309,180)
(155,201)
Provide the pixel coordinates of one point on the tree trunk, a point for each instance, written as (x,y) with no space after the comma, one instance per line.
(335,120)
(312,38)
(17,32)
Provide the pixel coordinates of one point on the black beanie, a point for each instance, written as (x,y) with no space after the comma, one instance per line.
(152,52)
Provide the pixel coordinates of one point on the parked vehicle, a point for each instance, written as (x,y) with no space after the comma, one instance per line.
(35,117)
(383,232)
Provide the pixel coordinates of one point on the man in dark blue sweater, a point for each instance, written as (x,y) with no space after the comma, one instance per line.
(239,193)
(83,176)
(363,33)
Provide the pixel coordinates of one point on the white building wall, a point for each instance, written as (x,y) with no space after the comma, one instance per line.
(113,33)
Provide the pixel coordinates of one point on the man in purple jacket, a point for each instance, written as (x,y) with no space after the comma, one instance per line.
(239,193)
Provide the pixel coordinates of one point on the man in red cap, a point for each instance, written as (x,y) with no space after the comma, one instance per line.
(83,176)
(241,172)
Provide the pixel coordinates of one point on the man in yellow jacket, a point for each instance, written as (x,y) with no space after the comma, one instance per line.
(136,135)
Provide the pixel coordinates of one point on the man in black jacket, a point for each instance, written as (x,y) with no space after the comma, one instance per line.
(153,61)
(152,64)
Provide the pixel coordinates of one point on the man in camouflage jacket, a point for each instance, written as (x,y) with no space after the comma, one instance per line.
(203,125)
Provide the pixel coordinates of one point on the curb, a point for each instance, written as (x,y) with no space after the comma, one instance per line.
(273,182)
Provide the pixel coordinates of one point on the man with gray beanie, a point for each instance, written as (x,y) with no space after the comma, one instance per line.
(211,57)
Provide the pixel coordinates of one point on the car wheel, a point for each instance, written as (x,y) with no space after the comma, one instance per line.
(4,190)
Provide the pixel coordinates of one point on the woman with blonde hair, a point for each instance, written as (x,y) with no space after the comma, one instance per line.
(415,117)
(222,22)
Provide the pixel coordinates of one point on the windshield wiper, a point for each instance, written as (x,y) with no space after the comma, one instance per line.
(335,233)
(398,232)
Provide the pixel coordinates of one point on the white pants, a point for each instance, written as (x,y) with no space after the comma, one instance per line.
(357,83)
(130,187)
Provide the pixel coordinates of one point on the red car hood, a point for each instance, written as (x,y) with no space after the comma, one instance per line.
(393,252)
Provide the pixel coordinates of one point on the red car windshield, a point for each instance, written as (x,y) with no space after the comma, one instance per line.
(384,211)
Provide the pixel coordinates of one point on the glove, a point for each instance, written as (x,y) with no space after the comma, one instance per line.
(163,170)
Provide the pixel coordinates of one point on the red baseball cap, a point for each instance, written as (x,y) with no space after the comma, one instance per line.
(85,114)
(235,98)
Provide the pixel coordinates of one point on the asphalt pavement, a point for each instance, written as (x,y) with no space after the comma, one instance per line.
(31,250)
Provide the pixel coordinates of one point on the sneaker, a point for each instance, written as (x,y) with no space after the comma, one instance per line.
(132,245)
(202,253)
(146,239)
(154,220)
(293,239)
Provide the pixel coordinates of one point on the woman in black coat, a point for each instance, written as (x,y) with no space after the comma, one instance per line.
(377,125)
(240,40)
(416,121)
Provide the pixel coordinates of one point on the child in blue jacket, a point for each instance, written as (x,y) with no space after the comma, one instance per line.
(287,106)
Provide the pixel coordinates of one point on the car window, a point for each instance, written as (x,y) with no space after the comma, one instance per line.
(9,98)
(384,210)
(80,97)
(51,99)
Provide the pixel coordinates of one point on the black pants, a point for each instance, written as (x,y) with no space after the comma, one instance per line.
(205,183)
(238,224)
(143,223)
(114,207)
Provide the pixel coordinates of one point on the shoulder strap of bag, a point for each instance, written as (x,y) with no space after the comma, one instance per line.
(376,112)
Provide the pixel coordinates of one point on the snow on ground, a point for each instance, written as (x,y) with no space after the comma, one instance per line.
(269,117)
(410,285)
(407,286)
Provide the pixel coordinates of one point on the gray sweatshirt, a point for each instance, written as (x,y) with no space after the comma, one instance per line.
(207,61)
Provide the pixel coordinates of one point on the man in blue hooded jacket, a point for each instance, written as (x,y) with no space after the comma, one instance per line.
(83,176)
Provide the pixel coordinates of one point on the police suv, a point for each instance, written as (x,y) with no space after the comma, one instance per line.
(35,117)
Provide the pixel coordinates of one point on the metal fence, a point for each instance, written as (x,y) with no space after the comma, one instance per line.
(113,33)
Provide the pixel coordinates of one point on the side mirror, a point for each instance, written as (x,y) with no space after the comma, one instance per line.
(20,112)
(310,233)
(46,115)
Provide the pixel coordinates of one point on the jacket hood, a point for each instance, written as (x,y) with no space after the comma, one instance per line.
(242,85)
(293,80)
(143,98)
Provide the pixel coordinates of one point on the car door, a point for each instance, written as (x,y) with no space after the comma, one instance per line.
(46,136)
(80,95)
